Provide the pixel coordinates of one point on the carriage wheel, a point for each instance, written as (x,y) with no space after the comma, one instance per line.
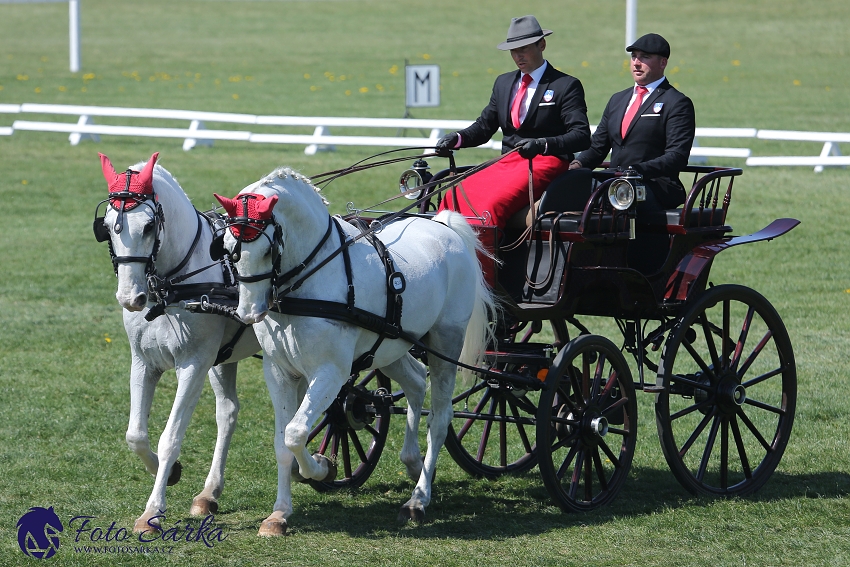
(729,393)
(492,432)
(352,433)
(587,424)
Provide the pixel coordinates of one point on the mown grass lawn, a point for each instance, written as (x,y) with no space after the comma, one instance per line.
(64,356)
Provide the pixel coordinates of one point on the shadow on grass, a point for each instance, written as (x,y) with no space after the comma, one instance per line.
(515,506)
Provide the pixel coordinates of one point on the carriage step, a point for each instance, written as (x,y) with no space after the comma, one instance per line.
(653,389)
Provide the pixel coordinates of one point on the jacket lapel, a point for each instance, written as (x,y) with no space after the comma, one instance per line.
(647,103)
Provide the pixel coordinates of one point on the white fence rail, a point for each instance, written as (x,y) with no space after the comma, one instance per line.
(197,133)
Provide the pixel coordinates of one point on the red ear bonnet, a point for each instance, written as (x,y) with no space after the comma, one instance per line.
(259,209)
(141,183)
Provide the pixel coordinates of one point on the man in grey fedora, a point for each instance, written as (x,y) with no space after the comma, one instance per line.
(540,110)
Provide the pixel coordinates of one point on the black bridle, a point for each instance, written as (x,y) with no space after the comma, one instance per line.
(101,232)
(276,244)
(163,288)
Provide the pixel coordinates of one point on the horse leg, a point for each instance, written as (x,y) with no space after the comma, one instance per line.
(442,387)
(190,383)
(223,382)
(322,391)
(410,374)
(284,395)
(143,381)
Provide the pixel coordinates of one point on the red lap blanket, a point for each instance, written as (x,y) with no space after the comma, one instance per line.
(499,191)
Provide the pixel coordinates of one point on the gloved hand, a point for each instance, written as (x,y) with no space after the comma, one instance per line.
(529,148)
(446,143)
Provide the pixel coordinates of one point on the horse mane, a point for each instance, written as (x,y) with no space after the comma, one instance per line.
(161,172)
(289,173)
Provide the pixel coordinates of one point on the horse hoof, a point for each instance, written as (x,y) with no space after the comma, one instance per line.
(202,506)
(410,514)
(332,468)
(272,528)
(295,473)
(176,471)
(144,526)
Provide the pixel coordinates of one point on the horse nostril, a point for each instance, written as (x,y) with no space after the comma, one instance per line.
(141,300)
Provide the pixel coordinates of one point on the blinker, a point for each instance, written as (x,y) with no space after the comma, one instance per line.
(101,233)
(217,248)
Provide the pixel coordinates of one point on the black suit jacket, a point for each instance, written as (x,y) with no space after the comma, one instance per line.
(657,144)
(559,116)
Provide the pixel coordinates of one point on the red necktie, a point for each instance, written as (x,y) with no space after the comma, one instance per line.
(520,95)
(630,113)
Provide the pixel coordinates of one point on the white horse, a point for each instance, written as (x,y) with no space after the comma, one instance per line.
(154,230)
(446,304)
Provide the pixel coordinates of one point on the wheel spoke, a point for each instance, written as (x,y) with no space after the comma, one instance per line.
(707,329)
(724,455)
(575,479)
(725,330)
(355,440)
(754,430)
(485,434)
(520,429)
(597,376)
(681,379)
(742,338)
(698,359)
(742,452)
(326,425)
(609,453)
(475,389)
(562,470)
(346,457)
(588,477)
(468,423)
(696,433)
(764,406)
(756,351)
(689,409)
(503,434)
(709,447)
(615,406)
(600,472)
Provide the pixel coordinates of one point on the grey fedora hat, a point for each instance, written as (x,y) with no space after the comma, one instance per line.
(523,31)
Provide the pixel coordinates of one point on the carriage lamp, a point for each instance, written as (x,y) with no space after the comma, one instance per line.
(621,194)
(414,177)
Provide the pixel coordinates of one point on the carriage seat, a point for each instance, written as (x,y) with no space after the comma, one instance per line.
(567,192)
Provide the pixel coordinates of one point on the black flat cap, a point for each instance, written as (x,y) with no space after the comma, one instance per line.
(651,43)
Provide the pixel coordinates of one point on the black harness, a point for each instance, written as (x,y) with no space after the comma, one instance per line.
(166,289)
(387,326)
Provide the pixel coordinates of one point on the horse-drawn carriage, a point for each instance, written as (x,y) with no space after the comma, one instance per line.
(724,384)
(717,359)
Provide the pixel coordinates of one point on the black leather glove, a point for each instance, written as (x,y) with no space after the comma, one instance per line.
(529,148)
(446,143)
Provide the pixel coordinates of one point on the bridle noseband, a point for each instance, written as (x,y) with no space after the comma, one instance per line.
(101,232)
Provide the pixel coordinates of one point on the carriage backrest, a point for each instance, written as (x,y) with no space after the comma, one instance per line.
(707,204)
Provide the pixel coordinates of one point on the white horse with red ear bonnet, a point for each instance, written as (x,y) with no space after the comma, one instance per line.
(280,226)
(156,237)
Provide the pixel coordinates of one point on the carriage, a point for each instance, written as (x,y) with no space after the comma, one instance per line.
(549,392)
(717,359)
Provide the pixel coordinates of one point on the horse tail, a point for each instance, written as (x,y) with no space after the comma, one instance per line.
(480,330)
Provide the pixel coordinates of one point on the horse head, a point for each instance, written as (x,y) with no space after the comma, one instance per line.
(131,224)
(251,216)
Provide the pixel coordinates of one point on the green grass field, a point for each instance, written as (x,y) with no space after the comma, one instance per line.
(64,357)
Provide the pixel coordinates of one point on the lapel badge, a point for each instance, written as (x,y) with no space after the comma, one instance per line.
(657,107)
(548,95)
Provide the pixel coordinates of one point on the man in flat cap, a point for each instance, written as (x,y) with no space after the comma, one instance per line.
(540,110)
(649,127)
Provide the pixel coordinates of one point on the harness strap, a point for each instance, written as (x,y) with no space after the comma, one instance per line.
(227,350)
